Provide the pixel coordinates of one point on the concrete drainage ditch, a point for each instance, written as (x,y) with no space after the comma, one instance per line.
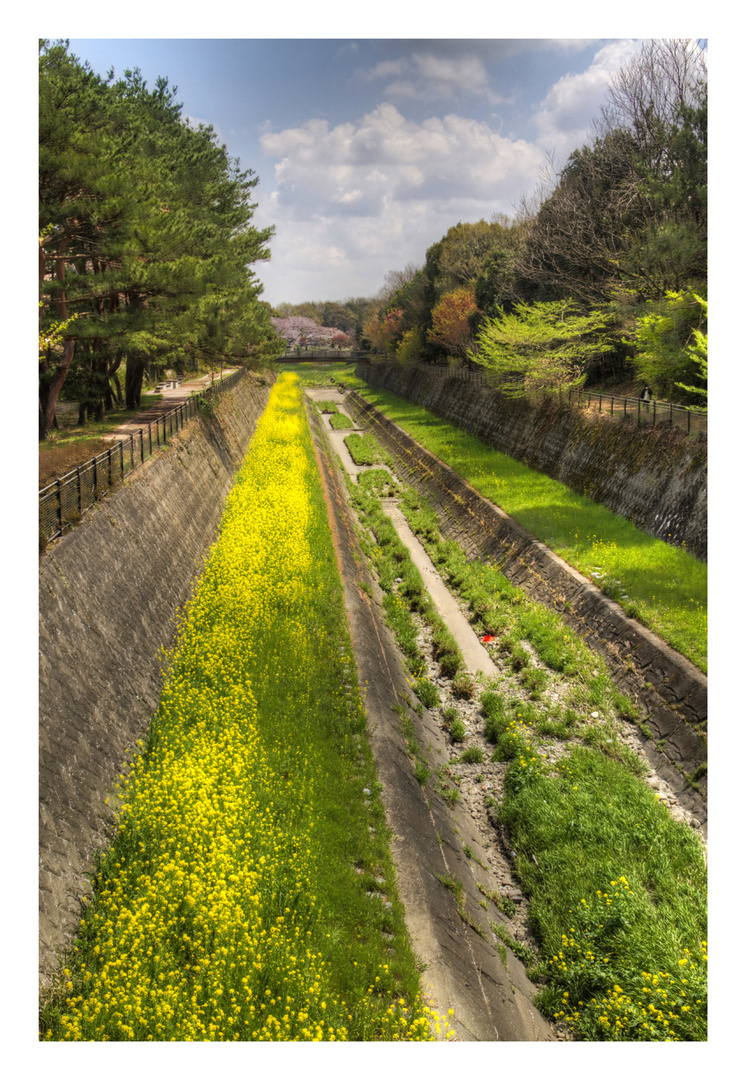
(462,944)
(444,869)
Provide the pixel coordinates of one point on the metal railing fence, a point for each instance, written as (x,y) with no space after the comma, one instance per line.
(61,503)
(653,413)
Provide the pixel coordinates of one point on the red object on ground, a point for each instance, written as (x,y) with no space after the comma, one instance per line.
(488,638)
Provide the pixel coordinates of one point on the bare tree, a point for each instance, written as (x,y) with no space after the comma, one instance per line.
(629,208)
(649,93)
(395,280)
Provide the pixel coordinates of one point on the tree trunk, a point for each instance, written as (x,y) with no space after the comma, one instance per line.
(133,376)
(48,401)
(49,392)
(113,386)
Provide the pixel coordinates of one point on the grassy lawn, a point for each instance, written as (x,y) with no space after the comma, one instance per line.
(329,374)
(249,893)
(664,587)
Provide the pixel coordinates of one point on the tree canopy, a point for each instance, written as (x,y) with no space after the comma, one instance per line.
(145,236)
(609,238)
(543,345)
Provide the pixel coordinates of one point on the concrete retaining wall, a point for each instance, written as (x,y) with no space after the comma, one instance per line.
(655,477)
(108,594)
(670,691)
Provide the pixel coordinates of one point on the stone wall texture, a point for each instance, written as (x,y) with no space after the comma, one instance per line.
(109,592)
(655,477)
(670,692)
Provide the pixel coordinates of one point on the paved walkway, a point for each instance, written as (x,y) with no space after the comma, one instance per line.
(475,655)
(172,396)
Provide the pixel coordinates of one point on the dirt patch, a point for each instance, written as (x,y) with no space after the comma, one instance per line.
(56,459)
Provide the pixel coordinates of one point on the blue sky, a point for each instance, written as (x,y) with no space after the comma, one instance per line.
(367,150)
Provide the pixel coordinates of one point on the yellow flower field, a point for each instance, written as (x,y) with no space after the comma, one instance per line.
(230,905)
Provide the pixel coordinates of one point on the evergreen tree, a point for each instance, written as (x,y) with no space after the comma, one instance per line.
(146,236)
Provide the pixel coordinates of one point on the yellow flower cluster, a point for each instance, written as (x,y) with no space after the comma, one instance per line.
(653,1006)
(203,923)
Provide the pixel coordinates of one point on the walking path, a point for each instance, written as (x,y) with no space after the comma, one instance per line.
(476,657)
(172,396)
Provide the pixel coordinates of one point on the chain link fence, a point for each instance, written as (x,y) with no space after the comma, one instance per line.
(61,503)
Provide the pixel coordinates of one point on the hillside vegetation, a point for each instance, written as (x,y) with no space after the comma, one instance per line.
(601,274)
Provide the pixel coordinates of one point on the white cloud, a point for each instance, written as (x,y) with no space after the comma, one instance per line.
(354,200)
(385,158)
(431,77)
(563,121)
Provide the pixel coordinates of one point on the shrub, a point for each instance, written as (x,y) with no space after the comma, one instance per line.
(463,686)
(458,731)
(496,714)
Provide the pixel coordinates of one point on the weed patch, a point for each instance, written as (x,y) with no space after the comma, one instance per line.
(364,449)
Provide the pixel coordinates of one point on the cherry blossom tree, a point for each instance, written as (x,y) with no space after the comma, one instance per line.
(300,332)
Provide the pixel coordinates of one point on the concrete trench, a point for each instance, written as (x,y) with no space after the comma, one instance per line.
(464,968)
(669,690)
(416,852)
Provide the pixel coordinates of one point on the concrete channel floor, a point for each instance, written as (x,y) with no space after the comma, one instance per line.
(475,655)
(491,996)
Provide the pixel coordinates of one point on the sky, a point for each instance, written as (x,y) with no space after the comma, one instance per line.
(369,149)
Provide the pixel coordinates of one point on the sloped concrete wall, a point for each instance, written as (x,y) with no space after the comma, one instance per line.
(108,594)
(655,477)
(669,690)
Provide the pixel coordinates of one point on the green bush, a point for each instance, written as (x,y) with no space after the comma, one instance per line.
(463,686)
(496,718)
